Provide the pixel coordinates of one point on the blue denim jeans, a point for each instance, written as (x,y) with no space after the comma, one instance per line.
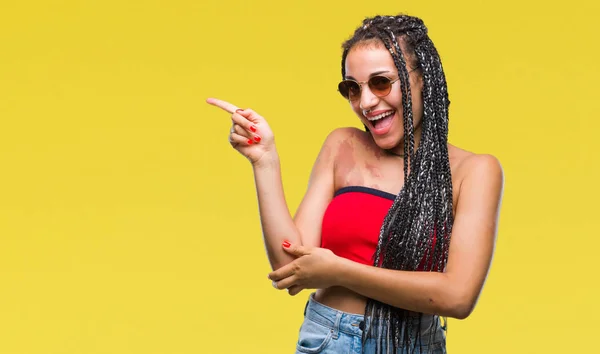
(327,330)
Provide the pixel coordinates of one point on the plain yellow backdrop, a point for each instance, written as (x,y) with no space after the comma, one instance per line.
(129,225)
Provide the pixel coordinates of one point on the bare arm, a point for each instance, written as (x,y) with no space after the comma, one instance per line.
(455,292)
(277,223)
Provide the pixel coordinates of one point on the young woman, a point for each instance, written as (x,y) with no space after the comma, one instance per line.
(397,227)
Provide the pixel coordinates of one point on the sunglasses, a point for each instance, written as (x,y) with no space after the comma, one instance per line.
(381,86)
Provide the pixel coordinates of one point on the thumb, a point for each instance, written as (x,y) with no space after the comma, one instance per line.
(296,250)
(250,114)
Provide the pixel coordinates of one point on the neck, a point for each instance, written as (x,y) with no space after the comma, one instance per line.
(398,150)
(392,152)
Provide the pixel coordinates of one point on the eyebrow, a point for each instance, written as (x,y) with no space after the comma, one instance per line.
(372,74)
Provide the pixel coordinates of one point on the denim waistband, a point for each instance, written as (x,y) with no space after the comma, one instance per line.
(354,324)
(336,320)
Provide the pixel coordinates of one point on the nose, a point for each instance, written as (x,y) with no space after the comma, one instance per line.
(367,99)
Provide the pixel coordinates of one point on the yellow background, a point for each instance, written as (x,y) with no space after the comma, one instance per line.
(129,225)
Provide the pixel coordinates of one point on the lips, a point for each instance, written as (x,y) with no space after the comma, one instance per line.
(378,117)
(373,114)
(380,122)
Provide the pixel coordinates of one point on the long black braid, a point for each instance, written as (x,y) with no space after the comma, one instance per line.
(415,234)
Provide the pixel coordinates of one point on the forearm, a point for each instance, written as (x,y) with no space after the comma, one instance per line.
(427,292)
(276,220)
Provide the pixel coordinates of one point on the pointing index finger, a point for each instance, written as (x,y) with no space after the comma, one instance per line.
(226,106)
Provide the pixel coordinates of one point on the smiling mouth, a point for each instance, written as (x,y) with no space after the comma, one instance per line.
(381,120)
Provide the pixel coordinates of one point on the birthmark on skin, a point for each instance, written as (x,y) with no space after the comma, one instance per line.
(326,154)
(367,141)
(346,164)
(374,170)
(378,153)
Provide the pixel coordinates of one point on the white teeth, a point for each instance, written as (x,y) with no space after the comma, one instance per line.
(379,116)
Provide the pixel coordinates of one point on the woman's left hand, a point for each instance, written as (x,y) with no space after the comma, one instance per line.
(315,268)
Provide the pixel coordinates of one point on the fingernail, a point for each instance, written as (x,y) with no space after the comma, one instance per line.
(250,141)
(253,128)
(257,138)
(286,244)
(239,110)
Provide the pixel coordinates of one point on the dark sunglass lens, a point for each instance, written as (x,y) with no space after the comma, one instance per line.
(349,89)
(380,85)
(343,88)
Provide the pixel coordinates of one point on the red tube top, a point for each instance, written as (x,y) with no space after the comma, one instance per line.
(352,222)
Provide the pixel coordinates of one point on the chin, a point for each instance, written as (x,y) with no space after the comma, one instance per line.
(386,143)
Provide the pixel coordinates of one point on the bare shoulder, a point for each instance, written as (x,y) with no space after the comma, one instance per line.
(479,174)
(483,166)
(345,139)
(468,164)
(333,144)
(343,134)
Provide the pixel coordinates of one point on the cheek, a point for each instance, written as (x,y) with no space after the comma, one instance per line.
(394,99)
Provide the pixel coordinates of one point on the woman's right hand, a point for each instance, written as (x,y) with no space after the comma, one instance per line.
(250,134)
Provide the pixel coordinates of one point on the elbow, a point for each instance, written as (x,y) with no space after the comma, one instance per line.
(461,307)
(460,311)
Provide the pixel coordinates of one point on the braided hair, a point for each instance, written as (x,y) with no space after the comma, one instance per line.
(415,234)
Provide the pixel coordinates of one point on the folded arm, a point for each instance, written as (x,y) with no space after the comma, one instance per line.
(453,293)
